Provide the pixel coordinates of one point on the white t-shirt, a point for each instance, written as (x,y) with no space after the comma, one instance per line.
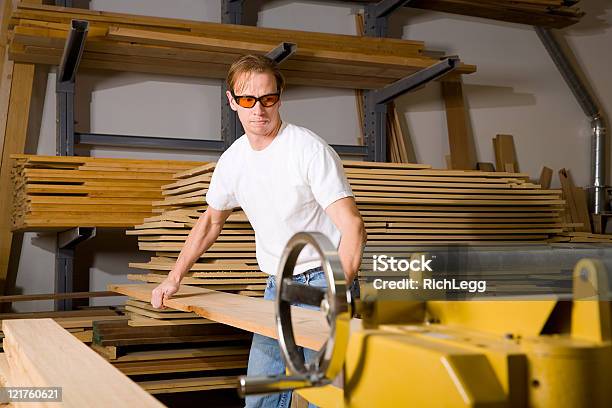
(283,189)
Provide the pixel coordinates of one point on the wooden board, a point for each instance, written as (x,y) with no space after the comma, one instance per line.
(505,153)
(251,314)
(182,365)
(157,45)
(161,314)
(533,13)
(42,354)
(188,384)
(137,320)
(14,142)
(545,177)
(459,139)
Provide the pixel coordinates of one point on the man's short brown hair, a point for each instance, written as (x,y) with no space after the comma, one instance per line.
(251,64)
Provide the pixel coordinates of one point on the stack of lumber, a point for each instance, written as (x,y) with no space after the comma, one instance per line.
(409,204)
(235,312)
(39,353)
(62,192)
(401,204)
(229,264)
(143,314)
(175,358)
(254,315)
(78,322)
(183,47)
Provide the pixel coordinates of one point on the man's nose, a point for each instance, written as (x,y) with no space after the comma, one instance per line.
(258,107)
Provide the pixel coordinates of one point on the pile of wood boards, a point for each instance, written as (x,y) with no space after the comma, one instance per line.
(175,358)
(545,13)
(254,315)
(229,265)
(402,204)
(189,357)
(218,351)
(62,192)
(78,322)
(183,47)
(39,353)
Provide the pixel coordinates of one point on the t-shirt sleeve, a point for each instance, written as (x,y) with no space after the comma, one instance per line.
(220,194)
(326,177)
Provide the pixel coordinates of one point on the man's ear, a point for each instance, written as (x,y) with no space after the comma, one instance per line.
(232,103)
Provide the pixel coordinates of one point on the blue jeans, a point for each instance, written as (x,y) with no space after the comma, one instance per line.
(265,356)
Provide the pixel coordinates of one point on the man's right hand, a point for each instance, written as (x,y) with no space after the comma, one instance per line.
(163,292)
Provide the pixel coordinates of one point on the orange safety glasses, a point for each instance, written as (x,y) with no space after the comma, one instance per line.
(248,101)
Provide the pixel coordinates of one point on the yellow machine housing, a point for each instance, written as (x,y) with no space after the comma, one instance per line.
(481,353)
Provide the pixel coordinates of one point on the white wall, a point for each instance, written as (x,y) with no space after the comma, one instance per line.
(517,90)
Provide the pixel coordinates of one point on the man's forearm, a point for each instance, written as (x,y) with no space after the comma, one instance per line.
(350,251)
(200,238)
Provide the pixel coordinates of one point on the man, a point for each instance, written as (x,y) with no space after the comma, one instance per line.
(287,180)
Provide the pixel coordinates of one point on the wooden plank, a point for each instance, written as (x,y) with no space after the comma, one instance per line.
(244,47)
(40,353)
(436,173)
(507,11)
(545,177)
(109,162)
(137,320)
(505,153)
(366,190)
(5,93)
(14,142)
(164,314)
(460,141)
(582,209)
(150,355)
(182,365)
(51,296)
(203,169)
(216,30)
(251,314)
(458,202)
(568,194)
(188,384)
(5,376)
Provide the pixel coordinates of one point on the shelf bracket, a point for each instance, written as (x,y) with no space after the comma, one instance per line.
(66,74)
(375,103)
(375,115)
(376,16)
(283,51)
(231,128)
(67,242)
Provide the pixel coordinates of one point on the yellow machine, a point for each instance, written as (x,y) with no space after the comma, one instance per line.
(551,352)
